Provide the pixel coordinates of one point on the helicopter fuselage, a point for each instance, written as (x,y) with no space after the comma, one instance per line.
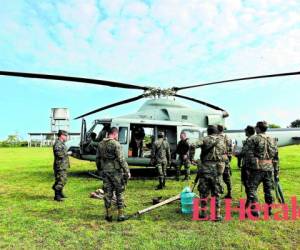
(138,131)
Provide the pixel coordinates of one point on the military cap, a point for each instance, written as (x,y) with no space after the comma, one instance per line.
(212,129)
(262,124)
(62,132)
(220,128)
(250,130)
(161,134)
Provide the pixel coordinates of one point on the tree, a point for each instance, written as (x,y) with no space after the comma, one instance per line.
(295,124)
(12,139)
(272,125)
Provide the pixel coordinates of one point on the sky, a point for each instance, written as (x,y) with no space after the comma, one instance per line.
(155,43)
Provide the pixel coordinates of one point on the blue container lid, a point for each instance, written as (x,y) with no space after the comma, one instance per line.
(187,193)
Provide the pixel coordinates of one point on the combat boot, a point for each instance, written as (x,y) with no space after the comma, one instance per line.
(63,195)
(186,177)
(164,182)
(121,215)
(270,211)
(108,216)
(202,214)
(255,214)
(228,195)
(218,215)
(177,176)
(57,196)
(160,185)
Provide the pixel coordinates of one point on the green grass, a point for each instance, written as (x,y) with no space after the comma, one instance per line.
(29,218)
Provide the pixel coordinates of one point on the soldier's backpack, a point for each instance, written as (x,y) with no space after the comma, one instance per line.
(269,149)
(264,153)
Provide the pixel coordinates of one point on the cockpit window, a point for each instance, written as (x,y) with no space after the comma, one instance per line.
(98,128)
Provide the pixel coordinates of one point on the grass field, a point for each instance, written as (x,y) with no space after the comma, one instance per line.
(30,219)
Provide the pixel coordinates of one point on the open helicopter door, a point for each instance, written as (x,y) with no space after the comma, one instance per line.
(193,134)
(123,136)
(82,135)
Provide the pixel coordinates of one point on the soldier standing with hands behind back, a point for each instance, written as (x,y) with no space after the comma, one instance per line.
(244,159)
(265,151)
(227,171)
(211,168)
(114,171)
(161,157)
(61,164)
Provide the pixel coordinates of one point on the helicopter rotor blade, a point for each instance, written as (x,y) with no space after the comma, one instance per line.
(73,79)
(238,79)
(111,105)
(225,114)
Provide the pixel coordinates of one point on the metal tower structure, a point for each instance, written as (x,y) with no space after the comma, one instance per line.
(60,119)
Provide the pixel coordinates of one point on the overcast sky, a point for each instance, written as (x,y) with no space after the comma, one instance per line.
(158,43)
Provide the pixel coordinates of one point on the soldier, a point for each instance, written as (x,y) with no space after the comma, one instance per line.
(93,144)
(161,157)
(114,172)
(183,148)
(211,168)
(102,134)
(137,141)
(244,159)
(61,164)
(264,150)
(227,171)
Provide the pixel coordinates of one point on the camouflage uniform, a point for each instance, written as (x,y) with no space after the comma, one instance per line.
(183,148)
(227,171)
(114,171)
(261,166)
(136,143)
(245,157)
(103,133)
(60,166)
(161,156)
(92,147)
(213,156)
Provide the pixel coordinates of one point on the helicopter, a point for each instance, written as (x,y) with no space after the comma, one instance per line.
(161,113)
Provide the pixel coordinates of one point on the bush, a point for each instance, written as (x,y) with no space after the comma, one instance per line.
(274,126)
(295,124)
